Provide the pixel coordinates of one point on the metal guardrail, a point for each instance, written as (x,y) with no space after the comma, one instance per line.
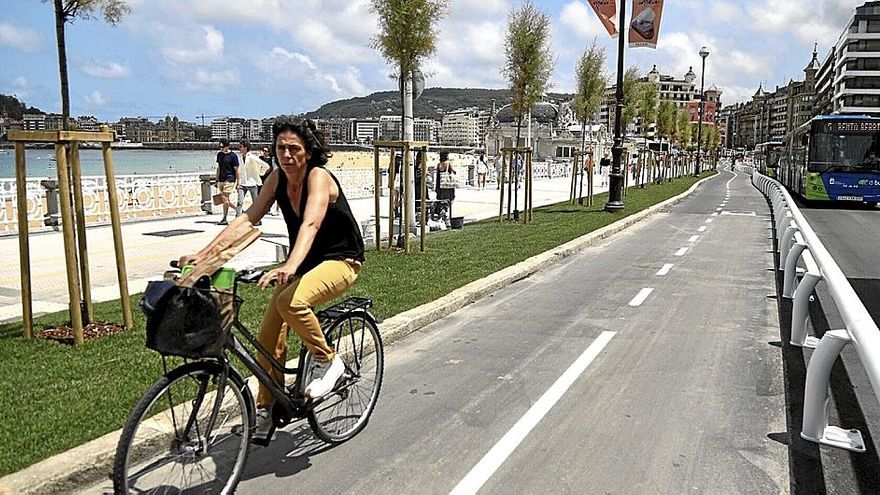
(796,241)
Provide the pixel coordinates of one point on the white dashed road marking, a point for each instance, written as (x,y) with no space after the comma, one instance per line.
(663,271)
(641,296)
(693,239)
(702,229)
(681,251)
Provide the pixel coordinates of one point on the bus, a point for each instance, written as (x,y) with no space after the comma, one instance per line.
(833,158)
(767,156)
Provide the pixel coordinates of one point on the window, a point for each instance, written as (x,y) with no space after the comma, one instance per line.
(863,83)
(863,64)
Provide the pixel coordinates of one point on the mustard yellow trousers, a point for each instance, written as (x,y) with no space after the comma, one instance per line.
(291,307)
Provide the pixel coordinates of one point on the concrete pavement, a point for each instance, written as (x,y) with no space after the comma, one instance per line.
(147,255)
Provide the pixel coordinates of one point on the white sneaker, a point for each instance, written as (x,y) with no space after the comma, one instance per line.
(327,373)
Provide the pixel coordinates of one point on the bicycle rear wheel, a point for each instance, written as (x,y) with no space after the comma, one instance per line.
(344,413)
(188,434)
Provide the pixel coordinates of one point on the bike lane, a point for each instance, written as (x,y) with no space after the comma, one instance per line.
(680,389)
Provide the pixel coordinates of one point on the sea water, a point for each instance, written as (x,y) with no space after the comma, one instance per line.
(41,162)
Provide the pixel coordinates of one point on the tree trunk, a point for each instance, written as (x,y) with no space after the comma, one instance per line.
(62,64)
(515,160)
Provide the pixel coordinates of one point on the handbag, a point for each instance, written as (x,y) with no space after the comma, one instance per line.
(447,180)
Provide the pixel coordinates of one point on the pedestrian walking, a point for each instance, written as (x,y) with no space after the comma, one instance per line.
(482,170)
(227,176)
(251,170)
(445,182)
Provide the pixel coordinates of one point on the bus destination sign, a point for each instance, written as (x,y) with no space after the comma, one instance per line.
(852,126)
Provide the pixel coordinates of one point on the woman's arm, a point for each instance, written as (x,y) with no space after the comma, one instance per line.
(320,188)
(253,215)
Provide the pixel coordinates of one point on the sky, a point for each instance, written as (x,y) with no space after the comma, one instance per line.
(259,58)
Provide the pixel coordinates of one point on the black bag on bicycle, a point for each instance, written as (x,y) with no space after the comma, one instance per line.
(182,321)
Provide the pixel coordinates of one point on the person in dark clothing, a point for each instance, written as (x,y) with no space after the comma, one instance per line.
(326,254)
(227,176)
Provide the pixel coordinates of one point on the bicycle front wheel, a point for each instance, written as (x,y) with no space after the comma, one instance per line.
(188,434)
(344,413)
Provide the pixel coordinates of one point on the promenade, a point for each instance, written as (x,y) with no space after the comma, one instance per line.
(148,252)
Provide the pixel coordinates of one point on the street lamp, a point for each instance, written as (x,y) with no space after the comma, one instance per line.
(704,52)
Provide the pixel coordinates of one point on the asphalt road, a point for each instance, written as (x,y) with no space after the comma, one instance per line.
(850,233)
(565,382)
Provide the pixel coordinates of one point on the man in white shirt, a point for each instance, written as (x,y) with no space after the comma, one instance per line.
(250,171)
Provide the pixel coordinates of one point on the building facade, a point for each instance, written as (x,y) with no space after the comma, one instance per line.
(849,77)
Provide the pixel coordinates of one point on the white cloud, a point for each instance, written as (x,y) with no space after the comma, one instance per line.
(203,79)
(96,98)
(22,38)
(206,46)
(107,70)
(819,21)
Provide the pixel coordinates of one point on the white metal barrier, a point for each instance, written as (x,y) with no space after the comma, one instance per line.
(798,242)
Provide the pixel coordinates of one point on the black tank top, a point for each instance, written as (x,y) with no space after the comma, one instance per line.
(338,237)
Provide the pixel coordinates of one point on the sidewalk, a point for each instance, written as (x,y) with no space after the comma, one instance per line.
(147,255)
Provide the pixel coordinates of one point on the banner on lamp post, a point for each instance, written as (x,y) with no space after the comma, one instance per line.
(607,12)
(644,29)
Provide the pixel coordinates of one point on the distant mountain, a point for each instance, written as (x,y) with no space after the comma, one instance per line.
(12,108)
(433,104)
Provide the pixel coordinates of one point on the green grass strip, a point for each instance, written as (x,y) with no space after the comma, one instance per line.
(56,397)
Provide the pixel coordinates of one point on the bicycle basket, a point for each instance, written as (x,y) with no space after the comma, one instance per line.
(186,321)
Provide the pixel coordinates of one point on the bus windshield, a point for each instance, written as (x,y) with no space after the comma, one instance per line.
(774,154)
(845,152)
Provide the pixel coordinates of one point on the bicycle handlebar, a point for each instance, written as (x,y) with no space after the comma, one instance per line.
(248,276)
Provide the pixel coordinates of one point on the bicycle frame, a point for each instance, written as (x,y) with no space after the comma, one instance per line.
(292,404)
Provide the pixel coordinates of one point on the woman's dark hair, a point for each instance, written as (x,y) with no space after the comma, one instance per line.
(316,144)
(444,155)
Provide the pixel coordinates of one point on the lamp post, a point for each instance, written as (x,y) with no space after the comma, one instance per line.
(615,178)
(704,52)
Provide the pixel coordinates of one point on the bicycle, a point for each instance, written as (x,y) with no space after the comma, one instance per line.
(191,430)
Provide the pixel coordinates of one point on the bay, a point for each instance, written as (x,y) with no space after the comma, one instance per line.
(40,163)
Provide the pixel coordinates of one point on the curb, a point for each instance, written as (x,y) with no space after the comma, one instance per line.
(92,461)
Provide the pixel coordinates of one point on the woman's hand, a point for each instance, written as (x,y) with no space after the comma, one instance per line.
(280,276)
(189,259)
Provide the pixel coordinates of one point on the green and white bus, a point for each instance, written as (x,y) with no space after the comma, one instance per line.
(833,158)
(767,156)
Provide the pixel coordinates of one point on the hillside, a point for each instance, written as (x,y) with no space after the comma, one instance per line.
(433,104)
(12,108)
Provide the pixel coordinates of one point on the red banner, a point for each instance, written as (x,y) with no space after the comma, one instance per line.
(607,12)
(644,29)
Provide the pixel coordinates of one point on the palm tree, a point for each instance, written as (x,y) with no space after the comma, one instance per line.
(591,84)
(529,64)
(67,11)
(407,36)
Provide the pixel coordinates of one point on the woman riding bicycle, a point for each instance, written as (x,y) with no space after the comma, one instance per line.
(326,255)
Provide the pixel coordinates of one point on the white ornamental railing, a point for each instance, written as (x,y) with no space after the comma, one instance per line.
(796,241)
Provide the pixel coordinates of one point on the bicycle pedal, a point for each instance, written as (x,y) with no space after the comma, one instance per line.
(264,441)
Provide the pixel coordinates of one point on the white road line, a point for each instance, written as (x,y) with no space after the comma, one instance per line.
(663,271)
(641,296)
(681,251)
(719,208)
(715,214)
(496,456)
(702,229)
(708,220)
(693,239)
